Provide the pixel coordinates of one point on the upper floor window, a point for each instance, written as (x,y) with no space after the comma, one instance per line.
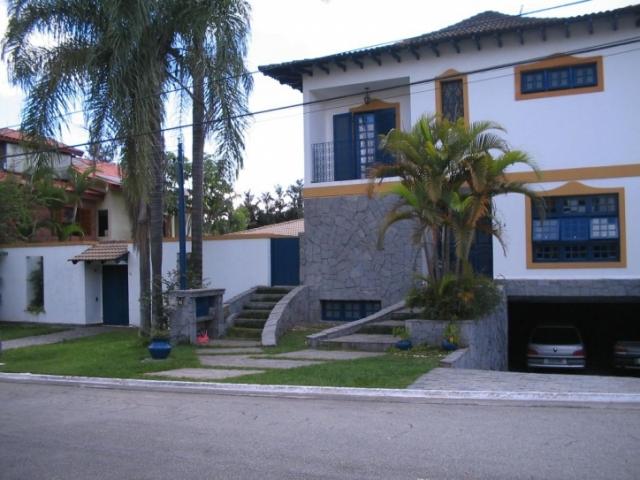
(356,143)
(559,76)
(451,96)
(577,228)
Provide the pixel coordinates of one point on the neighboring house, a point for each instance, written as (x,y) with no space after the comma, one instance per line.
(102,215)
(566,91)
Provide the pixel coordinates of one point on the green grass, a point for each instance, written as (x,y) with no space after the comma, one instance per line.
(291,341)
(392,370)
(116,355)
(11,331)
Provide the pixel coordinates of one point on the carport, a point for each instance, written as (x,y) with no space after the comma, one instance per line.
(604,311)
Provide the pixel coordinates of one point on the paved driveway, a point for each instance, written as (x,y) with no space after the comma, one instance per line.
(490,381)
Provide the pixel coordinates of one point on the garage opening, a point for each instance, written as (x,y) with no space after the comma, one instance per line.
(600,325)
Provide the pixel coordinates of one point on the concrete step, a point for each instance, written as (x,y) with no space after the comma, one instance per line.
(244,333)
(267,297)
(247,313)
(384,327)
(223,343)
(250,322)
(362,342)
(274,290)
(405,314)
(261,305)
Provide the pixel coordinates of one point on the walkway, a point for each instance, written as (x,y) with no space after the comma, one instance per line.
(57,337)
(489,381)
(235,361)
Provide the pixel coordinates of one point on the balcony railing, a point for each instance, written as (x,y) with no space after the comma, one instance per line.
(323,167)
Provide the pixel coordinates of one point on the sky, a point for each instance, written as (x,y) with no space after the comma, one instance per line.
(285,30)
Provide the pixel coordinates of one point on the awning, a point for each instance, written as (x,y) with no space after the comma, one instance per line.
(103,252)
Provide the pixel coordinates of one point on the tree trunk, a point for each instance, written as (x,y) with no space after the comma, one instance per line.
(156,218)
(197,157)
(144,268)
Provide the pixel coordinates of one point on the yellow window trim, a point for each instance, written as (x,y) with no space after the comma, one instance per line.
(448,76)
(577,188)
(558,61)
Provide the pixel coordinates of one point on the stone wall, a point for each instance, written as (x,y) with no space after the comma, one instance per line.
(593,289)
(486,339)
(339,255)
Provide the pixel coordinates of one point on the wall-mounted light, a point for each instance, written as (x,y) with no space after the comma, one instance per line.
(367,98)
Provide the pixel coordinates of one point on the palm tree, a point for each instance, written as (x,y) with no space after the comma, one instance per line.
(78,184)
(214,38)
(448,179)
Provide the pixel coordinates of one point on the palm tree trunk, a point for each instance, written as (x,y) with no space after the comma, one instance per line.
(156,218)
(198,132)
(144,268)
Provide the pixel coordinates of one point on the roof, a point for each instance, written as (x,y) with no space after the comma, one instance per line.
(108,172)
(10,135)
(486,24)
(292,228)
(103,252)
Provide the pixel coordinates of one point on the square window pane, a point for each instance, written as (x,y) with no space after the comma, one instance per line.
(559,78)
(604,228)
(574,229)
(546,230)
(532,82)
(585,75)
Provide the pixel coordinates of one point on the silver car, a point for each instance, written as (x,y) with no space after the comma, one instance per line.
(556,346)
(626,354)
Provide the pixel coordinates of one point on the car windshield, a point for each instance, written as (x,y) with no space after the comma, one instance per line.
(555,336)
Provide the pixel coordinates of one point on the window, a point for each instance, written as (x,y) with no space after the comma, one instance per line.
(577,228)
(559,76)
(356,140)
(35,284)
(451,96)
(348,310)
(103,223)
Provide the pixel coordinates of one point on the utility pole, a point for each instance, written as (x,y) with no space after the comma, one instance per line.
(182,230)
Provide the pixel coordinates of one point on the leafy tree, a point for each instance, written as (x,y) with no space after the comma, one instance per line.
(17,219)
(267,210)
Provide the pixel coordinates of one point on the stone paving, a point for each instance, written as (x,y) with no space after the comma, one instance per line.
(203,373)
(492,381)
(247,361)
(57,337)
(226,351)
(326,355)
(231,343)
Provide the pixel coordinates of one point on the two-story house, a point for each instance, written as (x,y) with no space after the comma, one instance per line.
(565,89)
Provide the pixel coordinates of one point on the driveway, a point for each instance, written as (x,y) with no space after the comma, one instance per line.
(490,381)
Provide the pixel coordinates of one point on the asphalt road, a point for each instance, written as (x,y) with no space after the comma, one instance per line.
(61,432)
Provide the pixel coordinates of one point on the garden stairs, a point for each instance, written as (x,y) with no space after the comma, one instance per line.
(372,337)
(252,318)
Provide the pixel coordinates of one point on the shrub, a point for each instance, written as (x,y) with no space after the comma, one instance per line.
(455,298)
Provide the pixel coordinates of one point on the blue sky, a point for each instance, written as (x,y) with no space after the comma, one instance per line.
(284,30)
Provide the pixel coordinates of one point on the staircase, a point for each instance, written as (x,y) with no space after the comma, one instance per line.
(372,337)
(250,321)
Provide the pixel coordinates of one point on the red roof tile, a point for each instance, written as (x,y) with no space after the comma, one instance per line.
(15,136)
(103,251)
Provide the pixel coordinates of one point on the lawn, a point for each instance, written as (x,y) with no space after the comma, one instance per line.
(11,331)
(392,370)
(116,354)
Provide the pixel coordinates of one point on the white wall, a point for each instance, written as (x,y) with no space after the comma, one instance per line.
(64,285)
(19,164)
(511,211)
(119,223)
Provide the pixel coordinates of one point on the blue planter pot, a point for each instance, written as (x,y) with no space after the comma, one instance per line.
(403,344)
(447,345)
(159,348)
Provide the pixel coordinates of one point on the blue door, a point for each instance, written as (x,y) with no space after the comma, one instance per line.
(285,261)
(115,295)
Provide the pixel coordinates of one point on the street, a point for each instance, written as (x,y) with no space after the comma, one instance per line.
(62,432)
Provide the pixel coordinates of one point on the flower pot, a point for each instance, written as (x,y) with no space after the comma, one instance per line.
(447,345)
(403,344)
(159,348)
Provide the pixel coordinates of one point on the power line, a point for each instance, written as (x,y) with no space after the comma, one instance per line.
(602,46)
(546,9)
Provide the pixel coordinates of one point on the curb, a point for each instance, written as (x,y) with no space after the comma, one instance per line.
(580,399)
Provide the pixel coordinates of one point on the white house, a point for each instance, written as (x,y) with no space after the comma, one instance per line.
(566,91)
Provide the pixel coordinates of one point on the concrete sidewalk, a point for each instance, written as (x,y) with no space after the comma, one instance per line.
(57,337)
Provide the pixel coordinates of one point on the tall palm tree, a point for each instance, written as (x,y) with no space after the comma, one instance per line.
(214,39)
(448,179)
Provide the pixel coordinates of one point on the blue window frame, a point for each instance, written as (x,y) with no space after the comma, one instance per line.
(559,78)
(348,310)
(577,228)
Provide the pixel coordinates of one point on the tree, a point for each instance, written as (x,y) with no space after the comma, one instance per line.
(214,38)
(17,219)
(448,179)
